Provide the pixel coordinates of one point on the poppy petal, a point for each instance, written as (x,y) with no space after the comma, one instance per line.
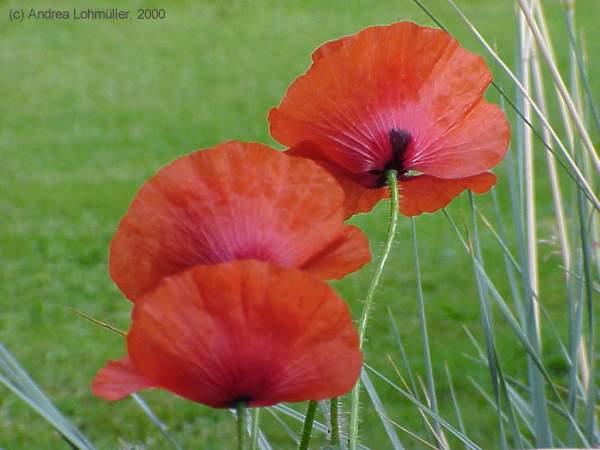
(401,78)
(117,380)
(425,193)
(245,331)
(234,201)
(330,47)
(358,199)
(477,144)
(340,257)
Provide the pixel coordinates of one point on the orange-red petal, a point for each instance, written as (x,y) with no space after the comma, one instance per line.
(339,258)
(117,380)
(398,77)
(476,144)
(233,201)
(358,199)
(424,193)
(245,331)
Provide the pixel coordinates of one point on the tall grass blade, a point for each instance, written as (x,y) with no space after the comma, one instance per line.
(497,377)
(543,434)
(514,324)
(572,168)
(411,434)
(16,379)
(576,343)
(487,329)
(389,429)
(578,51)
(590,389)
(291,433)
(524,413)
(412,386)
(425,409)
(511,263)
(559,209)
(403,355)
(318,426)
(560,85)
(455,404)
(155,420)
(424,333)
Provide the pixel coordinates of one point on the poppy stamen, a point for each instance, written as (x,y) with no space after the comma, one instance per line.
(242,399)
(399,140)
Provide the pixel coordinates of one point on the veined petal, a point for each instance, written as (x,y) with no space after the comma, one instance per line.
(425,193)
(358,198)
(365,90)
(475,145)
(118,379)
(341,256)
(233,201)
(245,331)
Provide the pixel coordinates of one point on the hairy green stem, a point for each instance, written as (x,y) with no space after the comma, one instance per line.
(392,181)
(334,419)
(308,425)
(241,421)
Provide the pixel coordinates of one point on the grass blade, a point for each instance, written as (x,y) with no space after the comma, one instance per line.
(155,420)
(424,333)
(578,52)
(455,404)
(572,168)
(514,324)
(407,366)
(393,437)
(590,389)
(497,378)
(560,84)
(543,434)
(16,379)
(425,409)
(318,426)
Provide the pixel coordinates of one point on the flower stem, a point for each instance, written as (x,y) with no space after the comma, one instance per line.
(334,419)
(241,417)
(308,425)
(392,182)
(254,435)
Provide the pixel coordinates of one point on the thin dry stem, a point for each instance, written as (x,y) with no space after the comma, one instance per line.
(559,210)
(527,144)
(560,85)
(576,172)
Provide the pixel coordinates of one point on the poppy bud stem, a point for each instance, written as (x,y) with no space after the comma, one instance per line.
(392,182)
(334,419)
(308,425)
(241,417)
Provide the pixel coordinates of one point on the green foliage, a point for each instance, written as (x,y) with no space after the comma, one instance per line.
(90,110)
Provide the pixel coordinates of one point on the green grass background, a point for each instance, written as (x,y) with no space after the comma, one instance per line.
(89,110)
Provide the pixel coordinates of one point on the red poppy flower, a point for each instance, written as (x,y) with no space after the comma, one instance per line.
(243,331)
(401,97)
(235,201)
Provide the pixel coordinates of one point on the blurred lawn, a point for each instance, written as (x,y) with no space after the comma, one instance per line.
(89,110)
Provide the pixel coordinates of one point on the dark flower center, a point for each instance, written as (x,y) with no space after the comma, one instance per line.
(399,140)
(244,398)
